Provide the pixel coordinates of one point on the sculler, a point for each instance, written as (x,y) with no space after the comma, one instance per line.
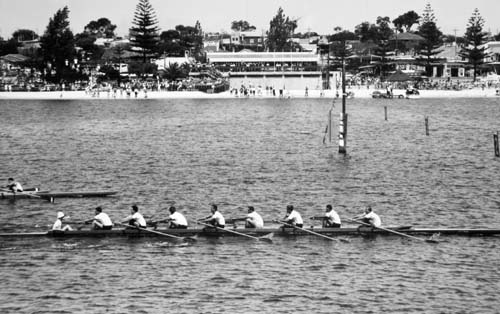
(293,217)
(253,219)
(101,221)
(135,218)
(332,219)
(58,223)
(14,186)
(176,220)
(215,219)
(369,217)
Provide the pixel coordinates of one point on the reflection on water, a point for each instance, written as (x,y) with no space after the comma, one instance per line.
(267,153)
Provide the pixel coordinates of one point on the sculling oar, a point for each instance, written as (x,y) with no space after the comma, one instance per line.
(157,232)
(267,237)
(430,240)
(311,232)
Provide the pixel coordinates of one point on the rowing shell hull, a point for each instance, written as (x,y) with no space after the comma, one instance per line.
(48,194)
(285,232)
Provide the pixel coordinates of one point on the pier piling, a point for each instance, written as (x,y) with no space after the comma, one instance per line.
(495,144)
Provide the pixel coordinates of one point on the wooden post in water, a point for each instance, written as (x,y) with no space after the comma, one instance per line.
(385,112)
(330,125)
(495,144)
(343,115)
(427,126)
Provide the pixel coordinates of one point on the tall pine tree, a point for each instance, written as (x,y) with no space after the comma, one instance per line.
(144,32)
(433,38)
(57,45)
(474,50)
(280,32)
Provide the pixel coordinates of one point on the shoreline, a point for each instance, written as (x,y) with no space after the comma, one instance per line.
(358,93)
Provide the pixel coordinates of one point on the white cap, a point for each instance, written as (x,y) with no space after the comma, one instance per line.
(60,215)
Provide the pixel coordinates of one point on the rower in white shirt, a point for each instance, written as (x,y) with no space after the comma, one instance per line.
(135,218)
(101,220)
(216,219)
(332,219)
(14,186)
(176,219)
(253,219)
(293,217)
(58,226)
(369,217)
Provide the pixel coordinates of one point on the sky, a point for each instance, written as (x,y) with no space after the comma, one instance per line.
(320,16)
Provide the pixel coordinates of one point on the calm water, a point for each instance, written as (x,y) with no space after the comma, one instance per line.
(267,153)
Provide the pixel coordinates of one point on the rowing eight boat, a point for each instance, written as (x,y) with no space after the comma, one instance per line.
(211,232)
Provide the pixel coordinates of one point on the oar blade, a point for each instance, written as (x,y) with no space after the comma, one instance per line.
(267,238)
(434,238)
(193,238)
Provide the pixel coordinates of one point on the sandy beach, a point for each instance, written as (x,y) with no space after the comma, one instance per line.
(358,93)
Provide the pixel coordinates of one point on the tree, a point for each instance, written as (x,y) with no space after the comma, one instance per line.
(280,32)
(57,46)
(433,37)
(144,33)
(90,51)
(406,20)
(174,72)
(8,47)
(475,38)
(242,26)
(101,28)
(24,34)
(381,31)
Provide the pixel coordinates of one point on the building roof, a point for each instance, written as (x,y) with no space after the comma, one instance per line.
(14,58)
(407,37)
(245,56)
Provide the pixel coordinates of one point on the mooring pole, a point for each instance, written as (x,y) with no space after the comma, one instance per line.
(427,126)
(495,144)
(385,112)
(343,115)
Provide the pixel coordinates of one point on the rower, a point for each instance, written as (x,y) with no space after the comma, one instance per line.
(101,221)
(215,219)
(176,220)
(330,219)
(14,186)
(253,219)
(58,223)
(369,217)
(293,217)
(135,218)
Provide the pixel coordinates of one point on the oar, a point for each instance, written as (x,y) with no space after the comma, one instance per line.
(267,237)
(311,232)
(430,240)
(157,232)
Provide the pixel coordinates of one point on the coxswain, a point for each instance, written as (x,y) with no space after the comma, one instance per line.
(58,223)
(135,218)
(176,220)
(215,219)
(369,217)
(253,219)
(14,186)
(293,217)
(101,221)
